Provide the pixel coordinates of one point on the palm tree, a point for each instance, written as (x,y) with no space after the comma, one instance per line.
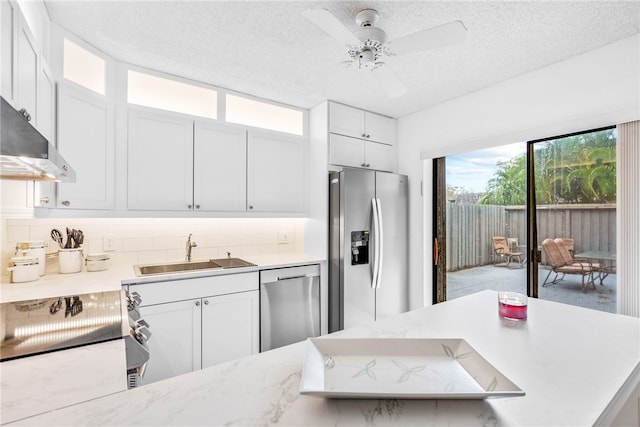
(576,169)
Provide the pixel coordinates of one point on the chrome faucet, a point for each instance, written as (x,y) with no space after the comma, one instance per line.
(190,245)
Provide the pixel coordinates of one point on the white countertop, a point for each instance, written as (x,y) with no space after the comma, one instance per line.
(574,364)
(54,284)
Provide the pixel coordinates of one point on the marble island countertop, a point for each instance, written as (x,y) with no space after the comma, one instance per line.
(577,367)
(54,284)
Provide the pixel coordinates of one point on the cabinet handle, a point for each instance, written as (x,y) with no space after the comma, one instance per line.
(368,165)
(364,135)
(189,206)
(197,303)
(66,203)
(44,200)
(250,207)
(206,302)
(25,114)
(197,206)
(368,136)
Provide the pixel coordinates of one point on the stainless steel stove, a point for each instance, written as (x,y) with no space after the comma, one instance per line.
(45,325)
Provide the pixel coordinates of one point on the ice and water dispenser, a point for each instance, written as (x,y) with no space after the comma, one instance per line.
(360,247)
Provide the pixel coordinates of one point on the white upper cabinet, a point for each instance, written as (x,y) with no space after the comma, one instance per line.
(8,33)
(27,71)
(46,191)
(46,103)
(359,153)
(220,167)
(160,161)
(276,172)
(86,141)
(361,139)
(380,128)
(346,120)
(178,164)
(350,121)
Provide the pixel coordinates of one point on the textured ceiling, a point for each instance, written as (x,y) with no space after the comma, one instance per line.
(268,49)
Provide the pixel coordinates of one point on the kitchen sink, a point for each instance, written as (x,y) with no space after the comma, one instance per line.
(232,262)
(179,267)
(174,267)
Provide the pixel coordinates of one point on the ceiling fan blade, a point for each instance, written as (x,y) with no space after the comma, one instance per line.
(443,35)
(389,82)
(331,25)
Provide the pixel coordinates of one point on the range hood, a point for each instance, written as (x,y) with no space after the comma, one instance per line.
(27,155)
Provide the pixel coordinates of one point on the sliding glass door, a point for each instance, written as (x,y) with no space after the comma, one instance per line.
(575,215)
(501,213)
(486,228)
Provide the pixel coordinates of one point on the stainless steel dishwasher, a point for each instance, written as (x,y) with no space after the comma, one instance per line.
(289,305)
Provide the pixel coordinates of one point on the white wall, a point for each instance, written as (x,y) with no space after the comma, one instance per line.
(595,89)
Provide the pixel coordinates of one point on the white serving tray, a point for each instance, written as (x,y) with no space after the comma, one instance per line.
(400,368)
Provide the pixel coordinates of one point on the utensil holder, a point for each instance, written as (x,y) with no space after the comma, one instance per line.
(70,260)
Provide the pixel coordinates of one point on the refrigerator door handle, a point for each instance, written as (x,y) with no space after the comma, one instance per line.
(376,245)
(380,242)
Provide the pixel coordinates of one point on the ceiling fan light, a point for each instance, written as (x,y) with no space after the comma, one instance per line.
(366,59)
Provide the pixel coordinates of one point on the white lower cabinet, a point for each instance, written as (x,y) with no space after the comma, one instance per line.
(230,327)
(175,343)
(216,320)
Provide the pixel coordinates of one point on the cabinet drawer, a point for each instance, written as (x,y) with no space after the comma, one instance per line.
(178,290)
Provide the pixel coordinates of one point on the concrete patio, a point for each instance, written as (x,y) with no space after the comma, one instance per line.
(568,291)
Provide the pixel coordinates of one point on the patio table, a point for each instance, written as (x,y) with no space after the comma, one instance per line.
(606,261)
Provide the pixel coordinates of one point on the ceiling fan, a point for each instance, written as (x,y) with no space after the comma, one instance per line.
(369,45)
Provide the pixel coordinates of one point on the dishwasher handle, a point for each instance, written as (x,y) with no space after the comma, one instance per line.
(302,276)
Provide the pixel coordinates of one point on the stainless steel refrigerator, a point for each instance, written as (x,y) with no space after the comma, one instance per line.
(368,244)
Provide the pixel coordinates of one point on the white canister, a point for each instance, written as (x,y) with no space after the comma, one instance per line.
(24,269)
(70,260)
(36,248)
(97,262)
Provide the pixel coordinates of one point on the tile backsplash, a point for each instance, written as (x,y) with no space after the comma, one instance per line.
(149,240)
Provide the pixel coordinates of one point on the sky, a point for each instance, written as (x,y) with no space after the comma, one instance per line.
(473,170)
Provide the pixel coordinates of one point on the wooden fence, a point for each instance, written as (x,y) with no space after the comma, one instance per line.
(471,227)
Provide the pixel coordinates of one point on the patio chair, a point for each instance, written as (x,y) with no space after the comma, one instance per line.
(566,252)
(561,262)
(570,243)
(503,253)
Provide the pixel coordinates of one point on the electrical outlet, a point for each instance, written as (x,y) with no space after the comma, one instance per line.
(107,244)
(283,238)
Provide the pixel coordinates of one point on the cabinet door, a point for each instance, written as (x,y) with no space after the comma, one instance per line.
(8,32)
(175,343)
(220,167)
(27,62)
(160,161)
(380,156)
(346,120)
(380,128)
(346,151)
(45,196)
(230,327)
(86,141)
(276,172)
(46,103)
